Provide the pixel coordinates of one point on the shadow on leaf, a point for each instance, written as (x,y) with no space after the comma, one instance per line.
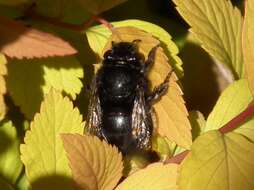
(53,182)
(202,81)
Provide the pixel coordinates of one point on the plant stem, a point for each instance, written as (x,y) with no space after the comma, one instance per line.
(177,159)
(239,119)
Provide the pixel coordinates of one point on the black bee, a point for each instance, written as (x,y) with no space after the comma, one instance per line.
(121,102)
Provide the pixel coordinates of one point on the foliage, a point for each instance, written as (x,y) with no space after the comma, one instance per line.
(50,51)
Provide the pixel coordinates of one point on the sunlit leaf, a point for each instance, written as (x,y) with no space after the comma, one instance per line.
(29,81)
(248,39)
(217,25)
(43,153)
(10,164)
(20,42)
(3,72)
(231,102)
(217,161)
(170,110)
(98,37)
(94,164)
(155,176)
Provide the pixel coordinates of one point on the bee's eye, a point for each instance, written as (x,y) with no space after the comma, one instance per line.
(108,55)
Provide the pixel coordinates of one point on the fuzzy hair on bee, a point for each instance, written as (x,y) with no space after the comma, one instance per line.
(121,102)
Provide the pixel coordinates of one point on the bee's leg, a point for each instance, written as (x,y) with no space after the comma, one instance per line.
(160,90)
(150,59)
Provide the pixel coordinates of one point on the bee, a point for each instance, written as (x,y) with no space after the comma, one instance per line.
(120,107)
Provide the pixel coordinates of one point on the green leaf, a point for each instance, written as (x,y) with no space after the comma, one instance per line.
(232,101)
(43,154)
(217,25)
(161,146)
(30,80)
(10,164)
(248,39)
(22,183)
(4,185)
(198,123)
(217,161)
(98,36)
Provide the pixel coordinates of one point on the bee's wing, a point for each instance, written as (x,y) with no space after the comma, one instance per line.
(93,124)
(141,121)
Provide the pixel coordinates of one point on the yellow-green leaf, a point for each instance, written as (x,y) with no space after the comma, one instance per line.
(155,176)
(161,146)
(29,81)
(3,72)
(98,6)
(10,164)
(43,154)
(170,110)
(22,183)
(217,25)
(94,163)
(198,123)
(98,37)
(248,39)
(232,101)
(218,162)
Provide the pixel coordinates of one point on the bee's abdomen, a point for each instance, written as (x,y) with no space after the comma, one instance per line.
(116,122)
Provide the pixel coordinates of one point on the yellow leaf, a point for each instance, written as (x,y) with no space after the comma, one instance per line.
(154,177)
(232,101)
(170,110)
(98,36)
(29,81)
(43,152)
(217,25)
(218,162)
(3,72)
(94,163)
(248,39)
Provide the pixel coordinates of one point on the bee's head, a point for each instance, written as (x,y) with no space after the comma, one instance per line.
(123,53)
